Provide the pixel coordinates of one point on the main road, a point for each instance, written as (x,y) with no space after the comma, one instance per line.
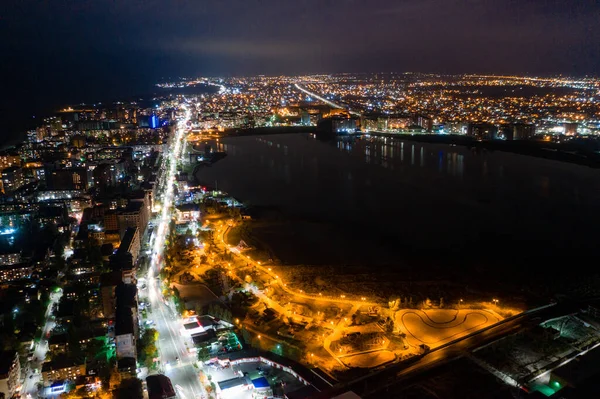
(32,378)
(176,362)
(326,101)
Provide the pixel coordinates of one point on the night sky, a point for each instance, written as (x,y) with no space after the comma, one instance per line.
(59,51)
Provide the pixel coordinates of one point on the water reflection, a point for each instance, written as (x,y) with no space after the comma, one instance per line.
(382,152)
(448,196)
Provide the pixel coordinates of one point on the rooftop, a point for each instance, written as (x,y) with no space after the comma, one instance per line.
(234,382)
(60,363)
(159,387)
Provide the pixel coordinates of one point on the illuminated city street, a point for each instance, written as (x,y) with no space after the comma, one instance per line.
(175,359)
(33,375)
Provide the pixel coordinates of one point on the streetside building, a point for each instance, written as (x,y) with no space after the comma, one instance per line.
(187,212)
(160,387)
(130,243)
(10,373)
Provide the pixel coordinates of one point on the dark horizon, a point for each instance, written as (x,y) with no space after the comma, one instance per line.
(97,50)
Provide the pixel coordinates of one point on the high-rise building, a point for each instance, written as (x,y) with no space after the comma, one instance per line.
(482,131)
(111,222)
(126,321)
(517,131)
(10,374)
(571,128)
(8,160)
(134,215)
(68,179)
(154,121)
(425,122)
(12,179)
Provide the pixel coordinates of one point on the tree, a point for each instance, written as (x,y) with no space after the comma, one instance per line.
(234,213)
(227,316)
(389,325)
(130,388)
(203,353)
(147,347)
(95,348)
(75,394)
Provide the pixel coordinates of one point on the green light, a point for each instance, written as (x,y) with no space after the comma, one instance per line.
(556,384)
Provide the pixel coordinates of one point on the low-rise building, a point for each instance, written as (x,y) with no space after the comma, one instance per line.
(58,343)
(62,368)
(160,387)
(187,212)
(10,257)
(15,272)
(127,367)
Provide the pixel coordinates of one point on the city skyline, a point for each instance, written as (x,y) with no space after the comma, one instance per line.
(111,50)
(303,237)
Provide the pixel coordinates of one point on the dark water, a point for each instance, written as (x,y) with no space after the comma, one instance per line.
(398,202)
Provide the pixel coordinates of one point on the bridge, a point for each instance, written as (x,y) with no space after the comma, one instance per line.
(326,101)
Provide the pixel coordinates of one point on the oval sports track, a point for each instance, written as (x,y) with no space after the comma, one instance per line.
(435,327)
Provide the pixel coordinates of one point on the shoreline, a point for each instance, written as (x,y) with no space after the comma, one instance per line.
(575,153)
(308,245)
